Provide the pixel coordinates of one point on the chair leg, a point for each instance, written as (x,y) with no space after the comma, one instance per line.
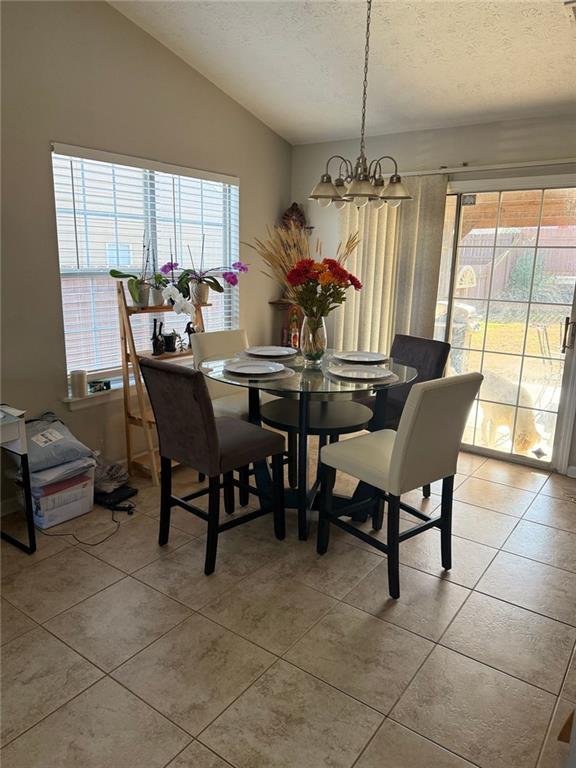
(165,499)
(278,510)
(292,459)
(213,522)
(201,477)
(327,480)
(378,514)
(322,441)
(426,491)
(229,493)
(446,517)
(244,493)
(393,544)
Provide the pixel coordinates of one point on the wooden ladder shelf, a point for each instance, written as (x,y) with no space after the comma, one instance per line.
(139,414)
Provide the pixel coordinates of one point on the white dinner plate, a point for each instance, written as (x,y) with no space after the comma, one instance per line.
(271,352)
(252,368)
(366,358)
(359,372)
(286,373)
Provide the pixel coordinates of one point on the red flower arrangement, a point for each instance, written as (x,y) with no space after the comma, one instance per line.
(319,287)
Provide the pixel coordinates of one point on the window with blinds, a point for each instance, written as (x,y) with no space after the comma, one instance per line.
(105,212)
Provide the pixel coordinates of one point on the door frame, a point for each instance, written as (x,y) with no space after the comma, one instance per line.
(567,406)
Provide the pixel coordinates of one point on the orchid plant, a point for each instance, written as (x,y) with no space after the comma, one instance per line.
(175,282)
(208,276)
(177,289)
(135,281)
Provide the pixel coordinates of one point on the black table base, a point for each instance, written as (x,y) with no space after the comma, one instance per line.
(304,498)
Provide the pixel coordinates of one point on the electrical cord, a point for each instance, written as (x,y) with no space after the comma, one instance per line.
(128,507)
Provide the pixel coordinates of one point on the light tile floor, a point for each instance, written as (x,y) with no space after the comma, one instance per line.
(122,654)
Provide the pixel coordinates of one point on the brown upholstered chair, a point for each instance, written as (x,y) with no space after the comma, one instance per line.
(189,434)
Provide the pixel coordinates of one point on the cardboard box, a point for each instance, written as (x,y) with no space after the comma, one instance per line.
(58,502)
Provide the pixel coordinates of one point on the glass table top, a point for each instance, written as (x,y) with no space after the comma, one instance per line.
(323,382)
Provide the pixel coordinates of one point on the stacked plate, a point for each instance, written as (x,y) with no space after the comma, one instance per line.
(361,358)
(271,352)
(360,366)
(257,369)
(360,372)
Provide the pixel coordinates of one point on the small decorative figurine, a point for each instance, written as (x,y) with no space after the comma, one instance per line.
(157,341)
(189,330)
(180,346)
(294,215)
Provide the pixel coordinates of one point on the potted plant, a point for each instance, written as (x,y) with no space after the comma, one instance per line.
(196,284)
(170,341)
(138,285)
(157,285)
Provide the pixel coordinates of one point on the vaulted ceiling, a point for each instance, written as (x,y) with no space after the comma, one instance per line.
(297,65)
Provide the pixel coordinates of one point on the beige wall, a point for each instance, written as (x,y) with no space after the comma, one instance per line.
(81,73)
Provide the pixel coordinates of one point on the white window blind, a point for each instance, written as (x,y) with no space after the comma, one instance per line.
(104,213)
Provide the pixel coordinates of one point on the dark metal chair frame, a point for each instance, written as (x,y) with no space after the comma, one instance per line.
(375,506)
(227,483)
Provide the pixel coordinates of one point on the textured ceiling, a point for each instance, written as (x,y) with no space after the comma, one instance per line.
(298,65)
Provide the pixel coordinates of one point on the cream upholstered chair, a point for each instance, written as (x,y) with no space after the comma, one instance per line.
(226,399)
(423,449)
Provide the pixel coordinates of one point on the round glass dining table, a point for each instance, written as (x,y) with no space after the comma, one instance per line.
(307,384)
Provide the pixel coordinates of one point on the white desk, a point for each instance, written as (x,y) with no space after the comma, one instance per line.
(13,439)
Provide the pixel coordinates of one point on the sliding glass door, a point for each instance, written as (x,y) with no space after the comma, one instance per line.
(506,289)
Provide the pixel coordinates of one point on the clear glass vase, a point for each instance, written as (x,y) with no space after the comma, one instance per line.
(313,340)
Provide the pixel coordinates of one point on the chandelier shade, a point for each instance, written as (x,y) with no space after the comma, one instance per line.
(361,188)
(395,190)
(325,189)
(361,182)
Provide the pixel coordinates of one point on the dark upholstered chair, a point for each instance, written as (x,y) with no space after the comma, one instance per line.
(429,357)
(189,434)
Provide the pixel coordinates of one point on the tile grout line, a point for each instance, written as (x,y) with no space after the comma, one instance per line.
(547,732)
(41,623)
(209,749)
(202,731)
(29,728)
(540,562)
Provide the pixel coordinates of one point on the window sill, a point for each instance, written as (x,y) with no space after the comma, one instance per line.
(96,398)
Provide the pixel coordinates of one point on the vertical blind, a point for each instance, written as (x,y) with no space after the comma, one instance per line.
(105,213)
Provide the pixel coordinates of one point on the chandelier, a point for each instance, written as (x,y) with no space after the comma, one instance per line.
(361,183)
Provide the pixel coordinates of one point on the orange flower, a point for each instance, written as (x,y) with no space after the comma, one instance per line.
(325,278)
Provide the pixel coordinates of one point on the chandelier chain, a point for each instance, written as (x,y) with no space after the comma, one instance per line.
(365,83)
(361,182)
